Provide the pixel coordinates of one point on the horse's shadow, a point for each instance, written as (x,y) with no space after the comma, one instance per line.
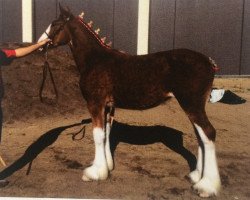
(34,150)
(138,135)
(144,135)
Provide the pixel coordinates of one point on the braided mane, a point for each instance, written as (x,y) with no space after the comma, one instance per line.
(93,33)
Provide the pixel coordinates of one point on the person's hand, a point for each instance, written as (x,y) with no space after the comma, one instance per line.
(43,42)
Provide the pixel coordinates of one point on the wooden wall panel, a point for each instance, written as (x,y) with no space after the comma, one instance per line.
(125,25)
(12,21)
(245,56)
(213,28)
(1,20)
(161,30)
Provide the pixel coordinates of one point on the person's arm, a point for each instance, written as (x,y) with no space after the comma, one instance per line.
(23,51)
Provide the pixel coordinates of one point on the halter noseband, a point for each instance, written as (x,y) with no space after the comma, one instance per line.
(59,29)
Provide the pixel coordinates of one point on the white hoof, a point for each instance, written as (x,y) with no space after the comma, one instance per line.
(194,176)
(207,188)
(110,164)
(95,173)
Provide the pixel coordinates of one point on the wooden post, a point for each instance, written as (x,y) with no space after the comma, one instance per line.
(27,21)
(143,27)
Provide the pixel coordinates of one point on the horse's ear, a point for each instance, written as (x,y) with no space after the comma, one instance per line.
(65,12)
(61,8)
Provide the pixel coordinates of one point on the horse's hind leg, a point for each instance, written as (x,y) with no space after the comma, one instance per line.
(205,177)
(195,175)
(207,168)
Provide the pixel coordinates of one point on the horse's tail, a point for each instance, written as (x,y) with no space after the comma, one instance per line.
(214,65)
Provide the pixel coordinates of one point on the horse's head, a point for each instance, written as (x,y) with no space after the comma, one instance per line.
(57,30)
(61,30)
(59,34)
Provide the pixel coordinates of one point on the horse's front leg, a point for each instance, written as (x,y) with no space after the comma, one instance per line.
(109,116)
(99,169)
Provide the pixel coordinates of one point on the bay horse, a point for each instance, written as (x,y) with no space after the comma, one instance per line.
(110,78)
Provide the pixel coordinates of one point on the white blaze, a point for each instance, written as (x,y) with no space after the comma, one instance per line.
(45,34)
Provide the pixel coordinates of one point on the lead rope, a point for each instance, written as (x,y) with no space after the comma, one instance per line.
(82,131)
(46,69)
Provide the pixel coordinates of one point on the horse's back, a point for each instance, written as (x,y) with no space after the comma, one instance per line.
(139,81)
(145,81)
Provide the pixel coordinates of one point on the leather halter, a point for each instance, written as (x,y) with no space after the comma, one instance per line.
(58,30)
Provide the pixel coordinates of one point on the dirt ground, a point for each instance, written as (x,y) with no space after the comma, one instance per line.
(153,149)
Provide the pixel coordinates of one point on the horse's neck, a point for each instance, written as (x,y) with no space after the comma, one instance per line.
(83,44)
(87,47)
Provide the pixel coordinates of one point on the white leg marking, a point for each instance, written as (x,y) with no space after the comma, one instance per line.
(99,168)
(210,183)
(195,175)
(107,148)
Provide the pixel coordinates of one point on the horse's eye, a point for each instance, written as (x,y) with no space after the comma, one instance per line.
(56,23)
(53,23)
